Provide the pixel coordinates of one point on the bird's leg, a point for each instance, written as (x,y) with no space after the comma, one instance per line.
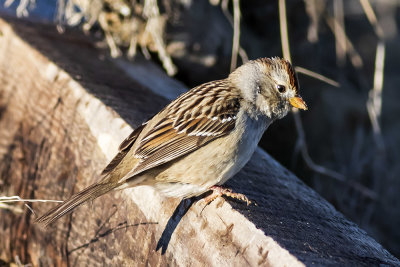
(220,191)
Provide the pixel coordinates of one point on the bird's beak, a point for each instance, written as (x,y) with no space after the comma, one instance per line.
(298,102)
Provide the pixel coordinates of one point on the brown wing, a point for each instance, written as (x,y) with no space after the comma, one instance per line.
(124,147)
(196,118)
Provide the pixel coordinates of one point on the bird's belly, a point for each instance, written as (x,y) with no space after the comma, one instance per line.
(197,172)
(209,165)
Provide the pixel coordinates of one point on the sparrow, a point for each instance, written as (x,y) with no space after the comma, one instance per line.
(201,139)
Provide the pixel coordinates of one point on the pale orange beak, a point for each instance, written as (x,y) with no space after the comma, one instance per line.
(298,102)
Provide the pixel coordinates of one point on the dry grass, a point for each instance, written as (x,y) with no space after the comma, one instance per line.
(4,203)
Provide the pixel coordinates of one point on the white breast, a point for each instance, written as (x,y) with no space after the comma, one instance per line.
(250,131)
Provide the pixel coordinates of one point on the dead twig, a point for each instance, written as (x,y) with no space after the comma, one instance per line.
(235,23)
(344,42)
(374,103)
(284,30)
(314,10)
(316,76)
(369,12)
(5,199)
(236,34)
(340,44)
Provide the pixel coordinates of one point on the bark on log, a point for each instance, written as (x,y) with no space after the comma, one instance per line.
(64,109)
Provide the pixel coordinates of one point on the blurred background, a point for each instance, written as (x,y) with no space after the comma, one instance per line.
(346,53)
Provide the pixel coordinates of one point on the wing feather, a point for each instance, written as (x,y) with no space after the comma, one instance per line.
(188,125)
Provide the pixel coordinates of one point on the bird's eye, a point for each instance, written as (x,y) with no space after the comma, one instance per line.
(258,89)
(281,88)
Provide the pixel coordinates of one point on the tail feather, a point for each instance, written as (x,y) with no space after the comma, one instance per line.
(89,193)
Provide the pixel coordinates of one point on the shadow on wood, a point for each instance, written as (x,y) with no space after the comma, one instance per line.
(173,222)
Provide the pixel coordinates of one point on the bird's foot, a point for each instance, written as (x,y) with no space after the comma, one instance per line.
(220,191)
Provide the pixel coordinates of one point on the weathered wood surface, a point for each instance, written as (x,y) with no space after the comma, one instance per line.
(64,108)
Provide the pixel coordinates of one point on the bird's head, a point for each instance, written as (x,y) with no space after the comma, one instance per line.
(269,87)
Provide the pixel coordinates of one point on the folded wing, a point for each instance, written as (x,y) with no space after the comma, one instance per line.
(196,118)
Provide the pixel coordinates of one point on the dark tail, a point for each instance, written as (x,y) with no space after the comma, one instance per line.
(90,193)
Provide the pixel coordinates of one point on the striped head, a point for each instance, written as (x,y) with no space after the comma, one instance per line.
(269,86)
